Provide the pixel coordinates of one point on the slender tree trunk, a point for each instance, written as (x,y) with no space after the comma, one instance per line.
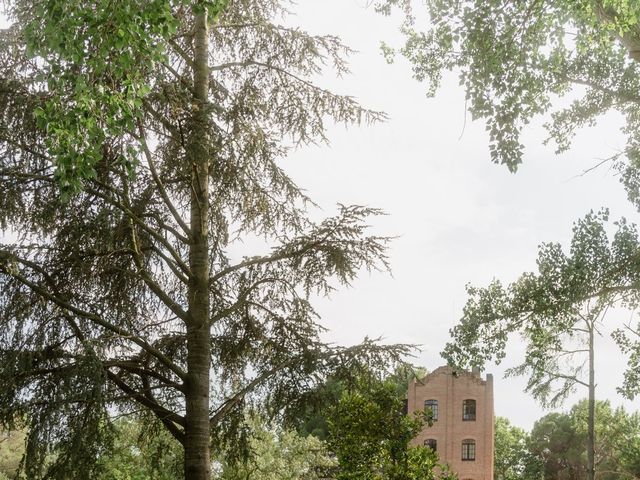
(197,458)
(591,437)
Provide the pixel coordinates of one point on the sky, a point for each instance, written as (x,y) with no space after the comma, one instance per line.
(459,218)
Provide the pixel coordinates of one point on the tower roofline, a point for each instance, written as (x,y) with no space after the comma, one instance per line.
(448,370)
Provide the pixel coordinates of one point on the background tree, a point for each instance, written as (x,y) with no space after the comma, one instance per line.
(142,449)
(280,455)
(318,403)
(140,143)
(369,432)
(512,457)
(556,441)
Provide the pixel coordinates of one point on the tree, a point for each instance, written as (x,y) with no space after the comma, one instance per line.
(139,145)
(556,441)
(512,458)
(370,435)
(141,449)
(280,455)
(514,58)
(556,312)
(325,397)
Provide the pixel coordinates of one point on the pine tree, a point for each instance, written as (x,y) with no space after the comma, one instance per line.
(140,143)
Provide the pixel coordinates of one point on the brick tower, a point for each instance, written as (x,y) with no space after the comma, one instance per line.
(463,426)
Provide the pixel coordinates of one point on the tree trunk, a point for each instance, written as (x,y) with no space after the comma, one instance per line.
(197,458)
(591,437)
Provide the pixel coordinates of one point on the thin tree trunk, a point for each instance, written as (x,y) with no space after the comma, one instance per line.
(591,437)
(197,458)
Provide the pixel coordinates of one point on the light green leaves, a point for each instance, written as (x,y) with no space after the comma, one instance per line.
(97,57)
(513,57)
(548,308)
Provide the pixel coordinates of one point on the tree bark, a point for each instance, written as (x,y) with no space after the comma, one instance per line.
(591,437)
(629,39)
(197,458)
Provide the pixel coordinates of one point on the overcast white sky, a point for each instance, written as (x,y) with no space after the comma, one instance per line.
(460,218)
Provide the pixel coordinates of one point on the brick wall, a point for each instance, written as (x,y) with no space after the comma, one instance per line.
(450,429)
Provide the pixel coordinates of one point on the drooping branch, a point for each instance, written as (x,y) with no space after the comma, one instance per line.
(169,419)
(156,178)
(6,266)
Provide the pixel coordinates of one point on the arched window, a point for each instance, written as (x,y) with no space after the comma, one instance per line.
(431,443)
(468,449)
(431,406)
(469,410)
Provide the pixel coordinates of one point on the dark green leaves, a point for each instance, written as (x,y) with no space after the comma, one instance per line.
(370,435)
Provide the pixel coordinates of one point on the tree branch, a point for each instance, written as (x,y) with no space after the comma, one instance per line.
(161,189)
(8,256)
(169,419)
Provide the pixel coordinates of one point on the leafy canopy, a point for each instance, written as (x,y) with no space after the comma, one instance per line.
(512,458)
(557,441)
(514,58)
(97,57)
(551,309)
(370,435)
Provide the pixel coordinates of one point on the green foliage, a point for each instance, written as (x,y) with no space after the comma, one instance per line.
(279,455)
(370,435)
(512,458)
(553,308)
(313,417)
(513,58)
(141,450)
(95,59)
(402,375)
(628,339)
(558,440)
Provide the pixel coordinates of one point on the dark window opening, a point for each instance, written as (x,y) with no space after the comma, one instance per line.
(431,443)
(469,410)
(431,407)
(468,450)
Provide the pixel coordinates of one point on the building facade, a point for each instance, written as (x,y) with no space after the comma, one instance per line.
(461,405)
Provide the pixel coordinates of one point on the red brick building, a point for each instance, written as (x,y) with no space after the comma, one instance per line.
(463,421)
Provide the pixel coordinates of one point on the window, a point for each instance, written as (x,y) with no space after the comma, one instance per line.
(431,406)
(468,450)
(469,410)
(431,443)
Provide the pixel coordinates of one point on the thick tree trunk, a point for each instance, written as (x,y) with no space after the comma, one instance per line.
(197,459)
(591,437)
